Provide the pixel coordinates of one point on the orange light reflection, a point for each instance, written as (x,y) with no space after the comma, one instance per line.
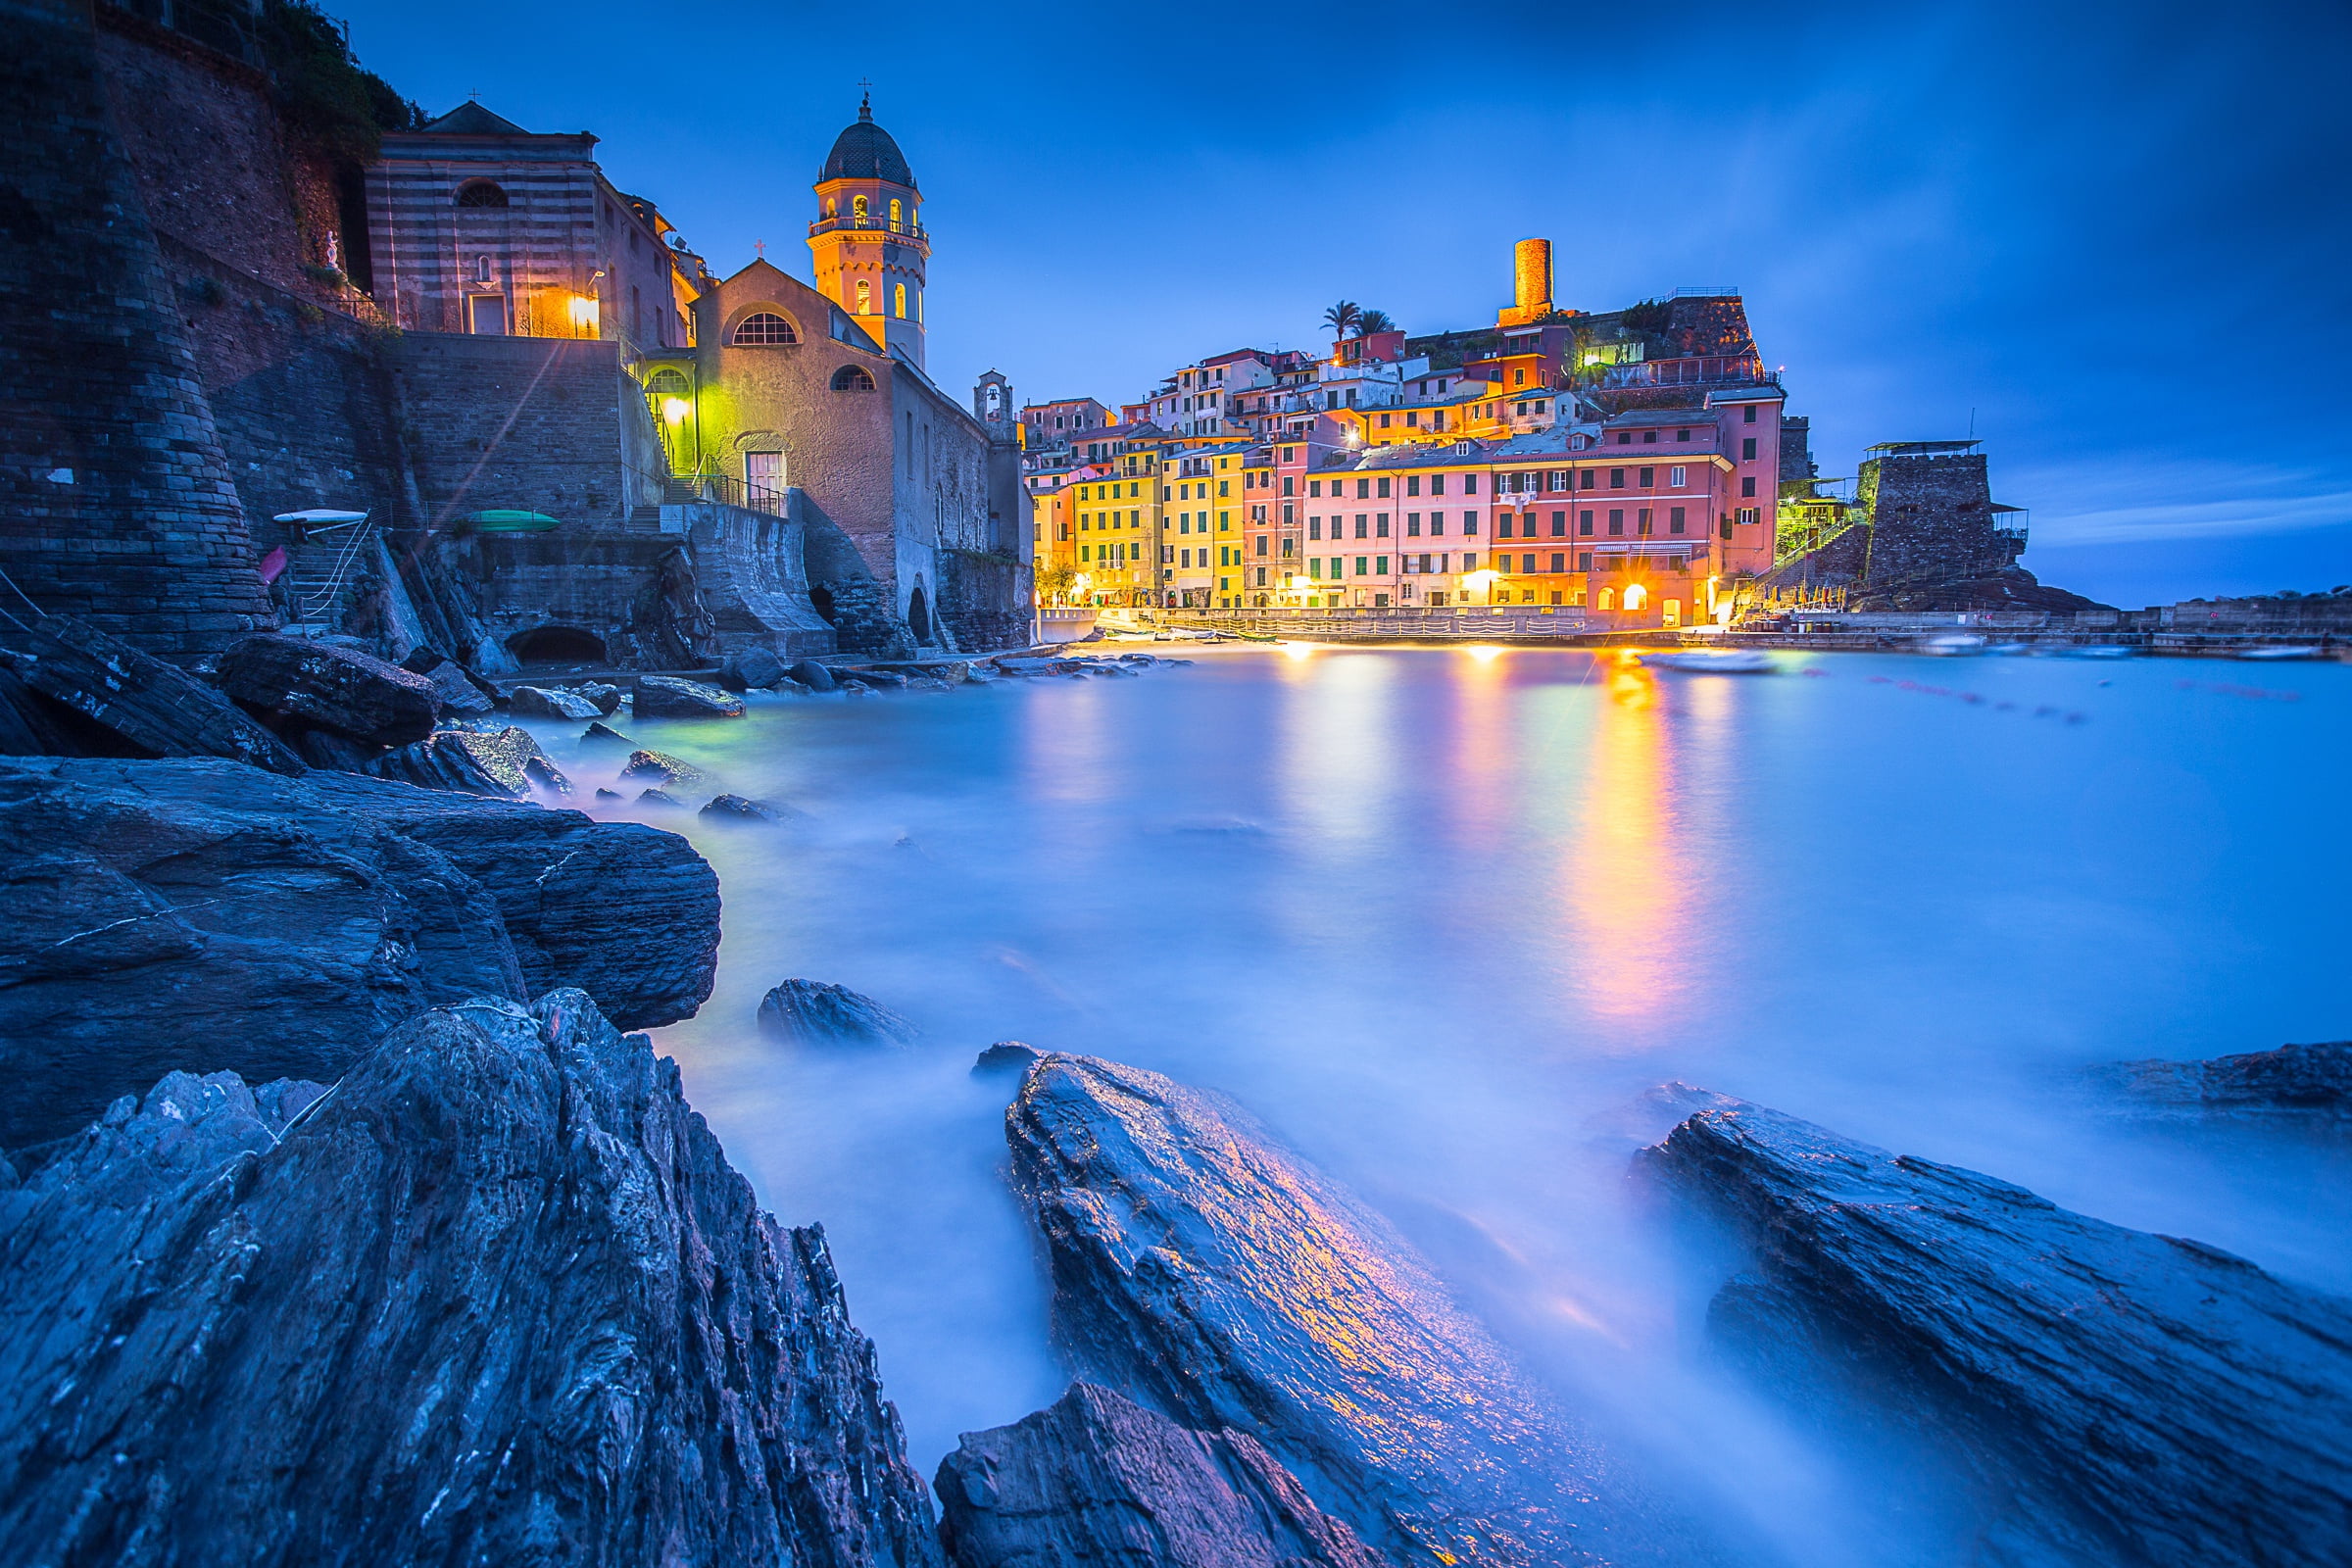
(1627,872)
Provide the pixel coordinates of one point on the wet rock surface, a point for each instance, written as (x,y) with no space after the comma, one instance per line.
(545,701)
(1007,1056)
(300,682)
(1203,1270)
(1098,1479)
(813,675)
(606,737)
(111,697)
(200,915)
(742,808)
(661,769)
(2307,1078)
(505,760)
(497,1297)
(675,697)
(2120,1396)
(811,1013)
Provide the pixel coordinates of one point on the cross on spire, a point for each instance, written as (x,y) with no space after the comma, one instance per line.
(865,99)
(760,249)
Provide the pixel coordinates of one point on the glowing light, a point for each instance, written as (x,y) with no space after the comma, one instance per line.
(1481,580)
(584,312)
(1297,650)
(674,410)
(1484,651)
(1636,596)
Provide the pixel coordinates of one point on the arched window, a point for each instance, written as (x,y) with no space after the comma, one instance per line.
(898,301)
(765,330)
(858,208)
(1636,596)
(893,221)
(832,206)
(1608,599)
(667,382)
(853,378)
(865,293)
(481,193)
(482,270)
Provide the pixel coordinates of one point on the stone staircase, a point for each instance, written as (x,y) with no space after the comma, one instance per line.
(323,565)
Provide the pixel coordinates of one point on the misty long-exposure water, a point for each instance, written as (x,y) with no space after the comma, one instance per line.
(1439,916)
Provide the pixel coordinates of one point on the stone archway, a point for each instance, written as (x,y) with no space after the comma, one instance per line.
(918,617)
(556,645)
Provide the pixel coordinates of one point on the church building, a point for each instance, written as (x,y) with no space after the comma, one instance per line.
(912,502)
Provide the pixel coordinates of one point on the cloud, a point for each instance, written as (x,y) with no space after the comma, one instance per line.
(2099,503)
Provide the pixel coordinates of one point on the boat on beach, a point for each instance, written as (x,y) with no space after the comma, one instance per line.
(2298,652)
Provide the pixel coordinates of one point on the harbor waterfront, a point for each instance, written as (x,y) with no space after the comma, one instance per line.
(1443,916)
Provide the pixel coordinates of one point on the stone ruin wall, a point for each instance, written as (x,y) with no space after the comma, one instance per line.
(116,498)
(1930,517)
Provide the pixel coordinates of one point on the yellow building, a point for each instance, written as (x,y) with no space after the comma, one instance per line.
(1116,509)
(1200,534)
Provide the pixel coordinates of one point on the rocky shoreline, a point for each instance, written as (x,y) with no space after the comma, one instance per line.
(343,1219)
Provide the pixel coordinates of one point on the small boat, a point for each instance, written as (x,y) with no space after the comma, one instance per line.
(2008,649)
(2279,652)
(2098,651)
(1953,644)
(506,519)
(1713,660)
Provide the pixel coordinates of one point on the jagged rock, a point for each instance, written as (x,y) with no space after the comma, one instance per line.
(1203,1268)
(1005,1055)
(786,686)
(928,683)
(454,680)
(607,697)
(606,736)
(675,697)
(206,915)
(2292,1078)
(541,702)
(871,677)
(608,794)
(742,808)
(658,798)
(663,768)
(811,1013)
(813,675)
(337,754)
(151,708)
(296,681)
(544,774)
(470,761)
(1095,1478)
(2120,1396)
(498,1297)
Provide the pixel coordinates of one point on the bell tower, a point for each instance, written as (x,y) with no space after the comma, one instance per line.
(869,240)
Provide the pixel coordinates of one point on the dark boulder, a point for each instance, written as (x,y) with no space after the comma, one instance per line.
(813,1013)
(1095,1478)
(2307,1078)
(498,1297)
(608,794)
(658,798)
(605,696)
(504,762)
(205,916)
(813,675)
(661,769)
(1005,1056)
(455,692)
(301,683)
(337,754)
(545,701)
(675,697)
(878,679)
(2119,1397)
(139,704)
(742,808)
(753,669)
(1203,1268)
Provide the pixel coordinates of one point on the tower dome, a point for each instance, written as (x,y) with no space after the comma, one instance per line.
(864,151)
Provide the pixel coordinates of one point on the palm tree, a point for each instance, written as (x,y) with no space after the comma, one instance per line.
(1342,318)
(1370,322)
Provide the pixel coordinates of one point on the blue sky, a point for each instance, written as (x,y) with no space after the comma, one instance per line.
(2116,235)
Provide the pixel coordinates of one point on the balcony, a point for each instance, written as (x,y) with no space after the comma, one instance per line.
(882,227)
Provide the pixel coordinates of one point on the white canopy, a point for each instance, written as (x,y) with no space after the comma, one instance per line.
(321,515)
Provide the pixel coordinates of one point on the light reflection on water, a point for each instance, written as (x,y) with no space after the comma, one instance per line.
(1439,918)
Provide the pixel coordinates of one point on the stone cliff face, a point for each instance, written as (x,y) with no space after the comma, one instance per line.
(2121,1396)
(201,914)
(1098,1479)
(1203,1269)
(495,1297)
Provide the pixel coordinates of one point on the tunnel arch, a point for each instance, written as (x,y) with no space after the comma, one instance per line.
(556,645)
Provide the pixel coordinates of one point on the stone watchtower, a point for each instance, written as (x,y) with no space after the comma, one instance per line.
(869,239)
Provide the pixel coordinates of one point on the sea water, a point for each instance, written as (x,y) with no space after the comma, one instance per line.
(1441,917)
